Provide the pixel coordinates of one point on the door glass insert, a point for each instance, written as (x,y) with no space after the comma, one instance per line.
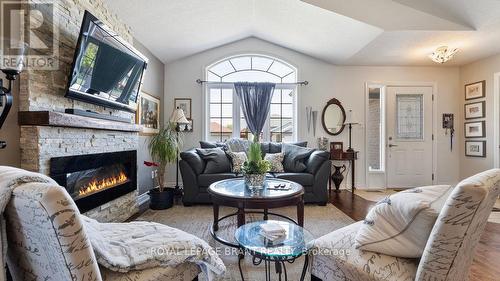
(410,117)
(375,130)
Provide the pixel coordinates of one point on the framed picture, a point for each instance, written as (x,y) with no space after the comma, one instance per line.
(475,110)
(185,105)
(475,148)
(475,129)
(336,150)
(187,127)
(148,114)
(475,90)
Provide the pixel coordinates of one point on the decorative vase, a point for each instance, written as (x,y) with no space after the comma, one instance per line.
(161,200)
(323,143)
(338,176)
(255,181)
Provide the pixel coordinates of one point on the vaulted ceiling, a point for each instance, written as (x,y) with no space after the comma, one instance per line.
(345,32)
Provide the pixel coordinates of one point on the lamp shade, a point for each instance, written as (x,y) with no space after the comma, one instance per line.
(178,117)
(350,118)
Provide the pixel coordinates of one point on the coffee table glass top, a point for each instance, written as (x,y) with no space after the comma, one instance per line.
(297,241)
(236,188)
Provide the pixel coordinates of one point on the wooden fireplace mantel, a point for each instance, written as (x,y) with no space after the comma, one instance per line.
(60,119)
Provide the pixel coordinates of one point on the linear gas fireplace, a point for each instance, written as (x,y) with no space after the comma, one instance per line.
(95,179)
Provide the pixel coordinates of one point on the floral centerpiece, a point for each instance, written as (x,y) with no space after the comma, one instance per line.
(255,168)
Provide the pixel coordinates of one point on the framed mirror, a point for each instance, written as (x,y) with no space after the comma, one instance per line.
(333,117)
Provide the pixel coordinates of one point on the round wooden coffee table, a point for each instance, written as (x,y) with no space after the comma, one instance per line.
(234,193)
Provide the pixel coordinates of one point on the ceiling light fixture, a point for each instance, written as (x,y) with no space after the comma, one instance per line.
(443,54)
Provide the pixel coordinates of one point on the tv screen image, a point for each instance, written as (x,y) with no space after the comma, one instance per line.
(106,70)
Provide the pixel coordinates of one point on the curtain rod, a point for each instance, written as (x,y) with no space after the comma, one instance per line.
(199,81)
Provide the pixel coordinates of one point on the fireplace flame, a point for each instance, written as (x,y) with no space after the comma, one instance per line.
(98,185)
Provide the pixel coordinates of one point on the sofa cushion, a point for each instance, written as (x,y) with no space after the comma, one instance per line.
(276,160)
(194,160)
(216,160)
(315,161)
(275,147)
(304,179)
(238,145)
(206,180)
(295,157)
(209,144)
(400,224)
(237,160)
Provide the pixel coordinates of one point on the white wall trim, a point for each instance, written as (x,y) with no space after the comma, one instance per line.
(367,170)
(496,122)
(435,119)
(142,199)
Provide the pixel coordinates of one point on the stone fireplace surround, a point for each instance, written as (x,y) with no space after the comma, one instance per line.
(41,141)
(42,92)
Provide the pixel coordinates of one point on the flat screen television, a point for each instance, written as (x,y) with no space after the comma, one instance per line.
(106,70)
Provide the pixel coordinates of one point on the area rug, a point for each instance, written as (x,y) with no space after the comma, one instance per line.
(197,220)
(375,195)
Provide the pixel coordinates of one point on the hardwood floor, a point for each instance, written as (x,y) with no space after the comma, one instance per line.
(486,264)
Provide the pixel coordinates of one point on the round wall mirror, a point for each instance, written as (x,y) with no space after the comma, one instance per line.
(333,117)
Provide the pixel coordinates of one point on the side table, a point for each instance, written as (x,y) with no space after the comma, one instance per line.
(346,156)
(297,242)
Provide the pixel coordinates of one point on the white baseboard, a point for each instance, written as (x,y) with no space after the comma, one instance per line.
(143,199)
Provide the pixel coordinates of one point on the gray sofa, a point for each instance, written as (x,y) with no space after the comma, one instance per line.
(314,179)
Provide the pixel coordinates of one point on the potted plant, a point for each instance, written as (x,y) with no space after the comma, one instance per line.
(163,147)
(255,168)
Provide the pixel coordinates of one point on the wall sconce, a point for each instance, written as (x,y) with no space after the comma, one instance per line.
(11,65)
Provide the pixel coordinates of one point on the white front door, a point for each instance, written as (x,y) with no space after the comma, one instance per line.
(409,136)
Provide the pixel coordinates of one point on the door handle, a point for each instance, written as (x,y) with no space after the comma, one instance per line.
(392,145)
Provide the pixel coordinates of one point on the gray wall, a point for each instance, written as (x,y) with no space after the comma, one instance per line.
(153,84)
(346,83)
(477,71)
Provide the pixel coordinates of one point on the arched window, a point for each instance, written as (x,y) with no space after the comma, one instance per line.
(224,116)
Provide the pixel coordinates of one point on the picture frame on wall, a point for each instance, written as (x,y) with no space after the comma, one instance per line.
(475,90)
(148,114)
(475,148)
(475,110)
(476,129)
(185,105)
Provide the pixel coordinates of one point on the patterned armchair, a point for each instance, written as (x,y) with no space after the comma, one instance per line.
(46,240)
(447,255)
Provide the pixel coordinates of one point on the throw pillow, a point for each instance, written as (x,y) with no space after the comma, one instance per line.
(237,159)
(276,160)
(216,159)
(295,157)
(209,144)
(400,224)
(238,145)
(275,147)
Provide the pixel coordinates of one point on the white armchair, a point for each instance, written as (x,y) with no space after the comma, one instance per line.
(46,241)
(447,255)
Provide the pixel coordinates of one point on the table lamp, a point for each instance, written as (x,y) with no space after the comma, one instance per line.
(349,121)
(178,118)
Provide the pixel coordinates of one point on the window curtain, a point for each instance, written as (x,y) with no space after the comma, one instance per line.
(255,101)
